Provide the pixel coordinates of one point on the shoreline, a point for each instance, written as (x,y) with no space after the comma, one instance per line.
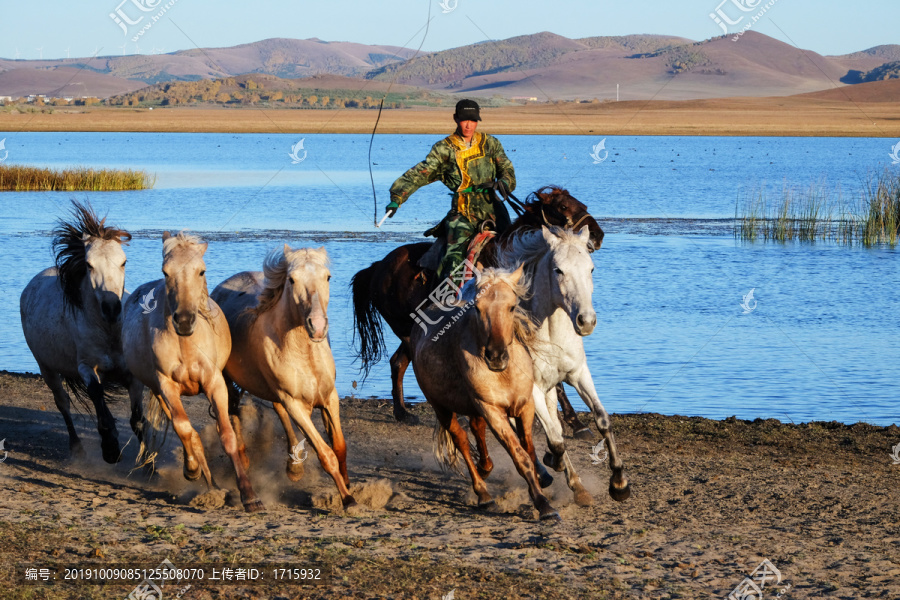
(788,116)
(28,378)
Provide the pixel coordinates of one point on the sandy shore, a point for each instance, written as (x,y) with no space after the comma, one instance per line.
(789,116)
(711,501)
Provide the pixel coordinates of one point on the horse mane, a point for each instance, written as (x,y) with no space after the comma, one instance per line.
(546,195)
(71,250)
(524,326)
(529,247)
(276,266)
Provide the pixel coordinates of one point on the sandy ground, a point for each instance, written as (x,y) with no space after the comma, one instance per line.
(711,500)
(787,116)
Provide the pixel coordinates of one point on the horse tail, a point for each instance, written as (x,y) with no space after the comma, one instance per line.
(445,451)
(366,320)
(79,390)
(154,436)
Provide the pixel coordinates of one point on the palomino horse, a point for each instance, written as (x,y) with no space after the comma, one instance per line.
(71,320)
(559,270)
(473,363)
(181,349)
(395,286)
(279,326)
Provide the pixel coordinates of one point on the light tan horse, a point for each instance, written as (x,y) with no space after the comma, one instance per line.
(178,347)
(281,353)
(473,363)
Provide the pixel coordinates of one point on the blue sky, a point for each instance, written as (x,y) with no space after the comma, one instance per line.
(51,27)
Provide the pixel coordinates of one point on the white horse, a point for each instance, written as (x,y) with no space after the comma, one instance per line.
(71,320)
(559,267)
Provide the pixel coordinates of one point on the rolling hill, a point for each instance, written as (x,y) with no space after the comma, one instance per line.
(542,65)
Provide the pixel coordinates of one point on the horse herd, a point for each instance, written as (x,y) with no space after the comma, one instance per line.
(496,354)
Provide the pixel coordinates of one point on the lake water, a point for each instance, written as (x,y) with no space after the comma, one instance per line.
(821,344)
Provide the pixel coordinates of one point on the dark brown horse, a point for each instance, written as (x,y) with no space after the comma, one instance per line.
(396,285)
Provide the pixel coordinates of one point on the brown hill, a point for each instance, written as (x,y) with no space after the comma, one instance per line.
(63,81)
(542,65)
(755,65)
(875,91)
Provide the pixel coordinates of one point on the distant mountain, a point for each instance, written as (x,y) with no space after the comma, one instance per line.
(543,65)
(548,66)
(876,91)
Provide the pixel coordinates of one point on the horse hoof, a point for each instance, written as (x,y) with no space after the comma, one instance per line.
(192,475)
(254,506)
(545,480)
(553,462)
(407,418)
(550,517)
(111,452)
(620,494)
(583,434)
(294,470)
(488,506)
(582,498)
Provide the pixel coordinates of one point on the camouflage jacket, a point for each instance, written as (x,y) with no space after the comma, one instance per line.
(459,168)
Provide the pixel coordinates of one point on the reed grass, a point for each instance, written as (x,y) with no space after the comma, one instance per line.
(818,213)
(21,178)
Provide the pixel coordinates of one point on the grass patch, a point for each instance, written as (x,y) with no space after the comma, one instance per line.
(818,213)
(20,178)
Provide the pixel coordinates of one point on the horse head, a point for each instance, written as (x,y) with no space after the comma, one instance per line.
(306,289)
(571,285)
(495,320)
(185,279)
(90,262)
(558,208)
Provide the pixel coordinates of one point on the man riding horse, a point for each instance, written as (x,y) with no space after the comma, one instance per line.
(472,165)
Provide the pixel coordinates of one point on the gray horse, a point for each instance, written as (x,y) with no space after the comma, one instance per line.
(71,317)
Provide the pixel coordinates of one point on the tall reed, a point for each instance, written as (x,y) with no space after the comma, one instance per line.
(818,213)
(21,178)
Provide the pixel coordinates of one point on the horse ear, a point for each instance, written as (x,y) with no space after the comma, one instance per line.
(166,235)
(85,237)
(287,249)
(517,274)
(203,248)
(548,236)
(584,235)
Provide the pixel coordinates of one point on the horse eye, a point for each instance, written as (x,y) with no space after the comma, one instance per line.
(558,271)
(123,263)
(592,269)
(329,278)
(291,279)
(90,267)
(202,273)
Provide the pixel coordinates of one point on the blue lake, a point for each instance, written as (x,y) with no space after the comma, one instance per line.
(821,344)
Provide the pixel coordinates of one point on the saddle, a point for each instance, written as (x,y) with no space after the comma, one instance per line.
(431,260)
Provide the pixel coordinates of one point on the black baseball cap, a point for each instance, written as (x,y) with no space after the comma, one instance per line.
(467,110)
